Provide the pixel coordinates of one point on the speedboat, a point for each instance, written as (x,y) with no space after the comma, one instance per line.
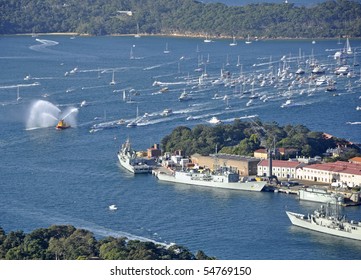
(287,103)
(113,207)
(184,96)
(132,124)
(214,120)
(166,112)
(62,125)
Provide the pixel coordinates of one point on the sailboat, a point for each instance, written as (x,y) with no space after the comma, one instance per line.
(166,49)
(207,40)
(131,56)
(134,123)
(238,62)
(18,94)
(348,49)
(248,41)
(234,42)
(138,34)
(227,103)
(112,83)
(339,40)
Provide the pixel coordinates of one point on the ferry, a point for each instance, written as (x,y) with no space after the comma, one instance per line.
(62,125)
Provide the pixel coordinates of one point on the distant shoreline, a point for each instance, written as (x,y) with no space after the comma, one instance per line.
(75,34)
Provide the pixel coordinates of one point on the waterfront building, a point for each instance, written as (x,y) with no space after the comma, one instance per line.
(246,166)
(280,168)
(344,173)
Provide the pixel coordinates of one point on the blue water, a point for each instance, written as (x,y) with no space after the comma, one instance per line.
(72,176)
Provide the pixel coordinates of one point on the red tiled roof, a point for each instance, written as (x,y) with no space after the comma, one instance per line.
(338,167)
(355,159)
(280,163)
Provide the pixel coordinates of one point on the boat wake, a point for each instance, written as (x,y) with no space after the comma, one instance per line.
(353,123)
(43,44)
(20,85)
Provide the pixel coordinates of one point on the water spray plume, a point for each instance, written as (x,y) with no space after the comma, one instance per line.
(70,116)
(45,114)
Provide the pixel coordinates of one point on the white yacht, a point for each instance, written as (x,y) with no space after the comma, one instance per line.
(234,42)
(166,112)
(184,96)
(113,207)
(214,120)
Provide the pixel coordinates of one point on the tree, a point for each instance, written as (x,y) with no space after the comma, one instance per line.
(80,244)
(114,249)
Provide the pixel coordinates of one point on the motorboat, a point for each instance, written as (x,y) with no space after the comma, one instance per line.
(214,120)
(132,124)
(167,112)
(184,96)
(113,207)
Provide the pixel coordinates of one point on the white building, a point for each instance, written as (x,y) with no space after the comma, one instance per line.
(345,173)
(280,168)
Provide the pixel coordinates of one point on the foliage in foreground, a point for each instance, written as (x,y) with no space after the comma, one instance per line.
(65,242)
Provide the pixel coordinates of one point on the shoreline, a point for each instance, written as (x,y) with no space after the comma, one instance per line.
(175,35)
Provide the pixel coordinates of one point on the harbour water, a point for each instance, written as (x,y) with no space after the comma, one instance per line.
(72,176)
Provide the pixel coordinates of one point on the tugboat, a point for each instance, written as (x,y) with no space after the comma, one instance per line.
(62,125)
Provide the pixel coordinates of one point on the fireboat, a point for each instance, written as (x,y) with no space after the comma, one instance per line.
(62,125)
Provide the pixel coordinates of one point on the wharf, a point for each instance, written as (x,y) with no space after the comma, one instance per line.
(287,190)
(350,198)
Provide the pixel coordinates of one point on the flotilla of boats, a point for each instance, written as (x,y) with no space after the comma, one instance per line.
(295,78)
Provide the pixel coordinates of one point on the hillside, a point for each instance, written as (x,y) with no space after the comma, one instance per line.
(183,17)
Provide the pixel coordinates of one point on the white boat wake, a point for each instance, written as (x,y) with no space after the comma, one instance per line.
(43,44)
(20,85)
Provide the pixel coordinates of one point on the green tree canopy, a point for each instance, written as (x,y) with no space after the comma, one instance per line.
(101,17)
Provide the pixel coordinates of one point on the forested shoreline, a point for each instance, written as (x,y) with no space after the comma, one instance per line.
(65,242)
(244,137)
(329,19)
